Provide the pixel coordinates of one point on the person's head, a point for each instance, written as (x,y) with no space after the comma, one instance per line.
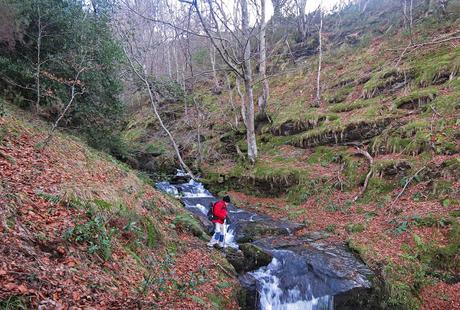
(226,199)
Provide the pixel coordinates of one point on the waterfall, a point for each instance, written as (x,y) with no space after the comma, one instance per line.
(286,283)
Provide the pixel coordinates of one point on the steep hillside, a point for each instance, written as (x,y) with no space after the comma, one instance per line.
(80,229)
(376,165)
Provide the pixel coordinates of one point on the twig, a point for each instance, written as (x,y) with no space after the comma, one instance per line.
(407,184)
(339,176)
(369,174)
(228,273)
(413,47)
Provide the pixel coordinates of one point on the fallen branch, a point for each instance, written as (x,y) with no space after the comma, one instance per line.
(407,184)
(228,273)
(369,174)
(412,47)
(240,154)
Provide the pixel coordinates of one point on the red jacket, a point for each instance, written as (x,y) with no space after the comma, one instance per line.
(219,211)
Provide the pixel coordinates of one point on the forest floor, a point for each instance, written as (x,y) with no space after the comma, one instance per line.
(311,167)
(80,230)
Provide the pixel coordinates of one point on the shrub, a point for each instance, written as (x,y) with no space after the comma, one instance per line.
(355,228)
(96,234)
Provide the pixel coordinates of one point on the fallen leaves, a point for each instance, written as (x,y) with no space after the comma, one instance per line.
(35,261)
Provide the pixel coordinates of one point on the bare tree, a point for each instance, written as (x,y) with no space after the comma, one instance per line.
(302,18)
(212,57)
(154,99)
(76,89)
(263,100)
(235,52)
(247,70)
(232,100)
(39,60)
(320,58)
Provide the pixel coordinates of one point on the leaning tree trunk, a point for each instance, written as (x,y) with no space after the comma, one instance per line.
(263,100)
(320,59)
(250,128)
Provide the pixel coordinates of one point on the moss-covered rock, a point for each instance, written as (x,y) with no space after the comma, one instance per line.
(248,258)
(416,99)
(354,131)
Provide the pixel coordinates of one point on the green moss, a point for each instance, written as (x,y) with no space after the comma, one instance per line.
(376,189)
(444,105)
(355,228)
(323,155)
(455,213)
(358,248)
(187,222)
(438,66)
(412,138)
(441,188)
(155,148)
(382,80)
(296,111)
(349,106)
(338,95)
(417,98)
(14,303)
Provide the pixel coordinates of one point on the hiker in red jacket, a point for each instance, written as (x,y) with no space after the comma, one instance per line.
(219,216)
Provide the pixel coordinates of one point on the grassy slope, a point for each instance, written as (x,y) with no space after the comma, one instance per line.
(80,229)
(412,243)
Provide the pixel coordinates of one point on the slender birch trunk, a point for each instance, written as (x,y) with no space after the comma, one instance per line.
(39,61)
(243,101)
(320,59)
(213,64)
(232,101)
(263,100)
(250,129)
(154,99)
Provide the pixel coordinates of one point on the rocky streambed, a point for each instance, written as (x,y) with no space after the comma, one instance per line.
(277,269)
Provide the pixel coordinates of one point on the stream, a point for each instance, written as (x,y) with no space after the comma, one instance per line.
(304,272)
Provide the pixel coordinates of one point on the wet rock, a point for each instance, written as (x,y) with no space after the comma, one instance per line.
(255,257)
(179,179)
(329,269)
(391,169)
(291,127)
(247,296)
(351,133)
(249,257)
(250,231)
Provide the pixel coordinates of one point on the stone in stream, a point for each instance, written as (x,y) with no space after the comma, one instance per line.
(249,257)
(248,231)
(289,271)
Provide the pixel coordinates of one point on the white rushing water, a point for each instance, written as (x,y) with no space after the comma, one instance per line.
(273,295)
(274,292)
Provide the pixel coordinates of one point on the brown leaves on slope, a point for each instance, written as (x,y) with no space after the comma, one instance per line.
(38,266)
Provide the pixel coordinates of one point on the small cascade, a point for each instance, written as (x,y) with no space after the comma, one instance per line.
(198,200)
(278,292)
(299,276)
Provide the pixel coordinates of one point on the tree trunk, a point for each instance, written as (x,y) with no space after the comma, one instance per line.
(176,63)
(38,67)
(213,64)
(232,101)
(154,98)
(243,101)
(301,4)
(320,59)
(263,100)
(250,129)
